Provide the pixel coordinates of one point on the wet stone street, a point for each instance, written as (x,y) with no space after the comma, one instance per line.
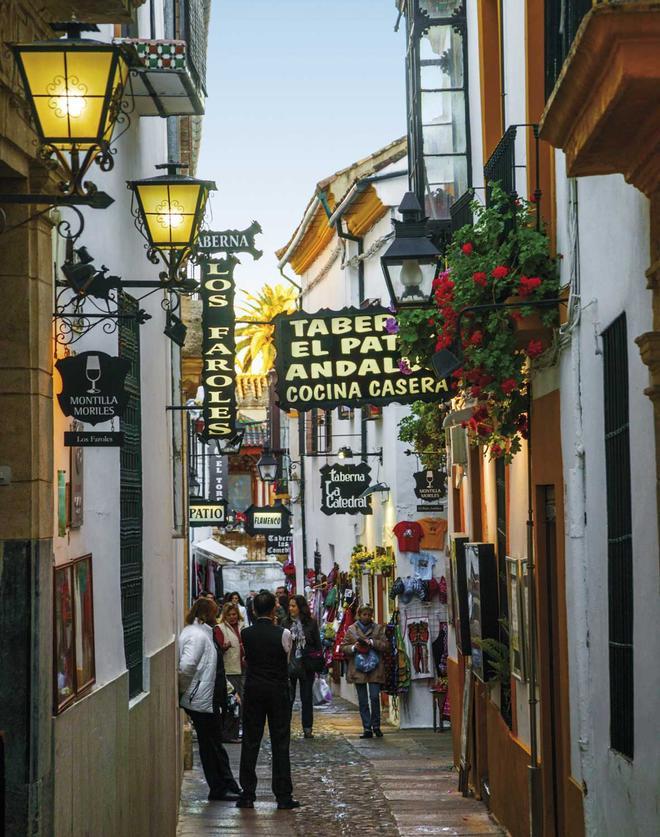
(403,784)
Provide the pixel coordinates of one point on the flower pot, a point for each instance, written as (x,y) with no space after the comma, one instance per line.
(530,327)
(386,572)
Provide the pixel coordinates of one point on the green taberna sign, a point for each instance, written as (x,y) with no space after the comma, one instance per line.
(346,358)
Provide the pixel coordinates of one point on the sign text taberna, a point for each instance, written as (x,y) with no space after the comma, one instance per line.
(347,358)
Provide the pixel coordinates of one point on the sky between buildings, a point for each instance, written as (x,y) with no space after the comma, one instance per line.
(298,89)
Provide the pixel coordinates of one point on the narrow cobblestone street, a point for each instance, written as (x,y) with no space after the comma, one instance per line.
(403,784)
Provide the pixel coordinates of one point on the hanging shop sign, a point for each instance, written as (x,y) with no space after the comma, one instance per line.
(231,241)
(93,386)
(267,520)
(92,439)
(278,544)
(431,507)
(346,358)
(341,486)
(218,348)
(203,513)
(430,485)
(218,477)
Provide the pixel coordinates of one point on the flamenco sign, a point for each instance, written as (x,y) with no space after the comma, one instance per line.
(346,358)
(218,348)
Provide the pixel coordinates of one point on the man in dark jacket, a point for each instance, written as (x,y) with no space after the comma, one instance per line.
(266,696)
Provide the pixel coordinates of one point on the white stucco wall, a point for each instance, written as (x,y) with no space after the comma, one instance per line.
(614,254)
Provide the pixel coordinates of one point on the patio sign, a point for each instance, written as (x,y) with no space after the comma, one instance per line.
(341,486)
(218,348)
(430,485)
(349,358)
(203,513)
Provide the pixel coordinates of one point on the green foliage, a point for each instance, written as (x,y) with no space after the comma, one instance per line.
(422,429)
(502,256)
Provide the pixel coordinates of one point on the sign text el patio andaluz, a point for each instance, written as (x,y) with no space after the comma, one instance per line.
(347,358)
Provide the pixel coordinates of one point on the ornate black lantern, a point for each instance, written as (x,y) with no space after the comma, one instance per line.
(267,466)
(411,260)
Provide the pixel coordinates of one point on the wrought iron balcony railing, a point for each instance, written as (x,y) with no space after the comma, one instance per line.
(461,211)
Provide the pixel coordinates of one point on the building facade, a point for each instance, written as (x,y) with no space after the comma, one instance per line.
(93,539)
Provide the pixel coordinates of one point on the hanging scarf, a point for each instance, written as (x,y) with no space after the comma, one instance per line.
(298,635)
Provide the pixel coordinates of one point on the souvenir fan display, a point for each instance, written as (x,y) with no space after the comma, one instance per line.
(418,642)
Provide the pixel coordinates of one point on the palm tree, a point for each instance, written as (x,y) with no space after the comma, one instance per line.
(256,343)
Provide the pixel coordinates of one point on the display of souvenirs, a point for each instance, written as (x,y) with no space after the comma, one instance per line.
(423,564)
(435,530)
(409,535)
(418,640)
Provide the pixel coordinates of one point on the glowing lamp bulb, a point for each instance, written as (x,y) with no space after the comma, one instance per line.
(170,214)
(411,277)
(67,97)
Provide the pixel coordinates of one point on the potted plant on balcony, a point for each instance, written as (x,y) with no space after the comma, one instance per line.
(501,258)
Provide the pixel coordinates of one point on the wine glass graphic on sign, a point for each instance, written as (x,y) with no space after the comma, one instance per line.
(93,372)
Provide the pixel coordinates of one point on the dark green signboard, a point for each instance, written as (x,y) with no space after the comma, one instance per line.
(347,358)
(218,348)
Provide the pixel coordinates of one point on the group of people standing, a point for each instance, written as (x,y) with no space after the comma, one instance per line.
(231,672)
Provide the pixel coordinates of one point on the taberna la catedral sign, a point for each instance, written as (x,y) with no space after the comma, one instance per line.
(218,348)
(93,386)
(346,358)
(267,520)
(203,513)
(341,486)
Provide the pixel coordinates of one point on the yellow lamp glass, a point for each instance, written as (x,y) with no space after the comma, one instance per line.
(74,89)
(172,210)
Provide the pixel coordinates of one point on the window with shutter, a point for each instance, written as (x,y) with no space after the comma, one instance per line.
(619,536)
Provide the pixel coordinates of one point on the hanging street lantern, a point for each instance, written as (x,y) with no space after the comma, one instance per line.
(168,211)
(267,466)
(410,262)
(74,88)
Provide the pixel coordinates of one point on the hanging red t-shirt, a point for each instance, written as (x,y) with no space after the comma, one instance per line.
(409,535)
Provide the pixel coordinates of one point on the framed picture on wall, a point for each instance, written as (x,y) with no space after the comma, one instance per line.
(459,581)
(64,638)
(73,631)
(483,609)
(515,637)
(523,593)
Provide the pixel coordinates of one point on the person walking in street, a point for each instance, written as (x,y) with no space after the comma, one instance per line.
(266,696)
(364,645)
(201,697)
(282,606)
(306,657)
(235,599)
(232,649)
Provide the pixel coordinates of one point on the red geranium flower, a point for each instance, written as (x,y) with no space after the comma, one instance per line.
(480,278)
(534,348)
(529,284)
(467,248)
(475,391)
(509,385)
(480,413)
(484,430)
(477,338)
(500,271)
(496,450)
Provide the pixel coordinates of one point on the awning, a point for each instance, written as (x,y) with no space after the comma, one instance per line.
(216,551)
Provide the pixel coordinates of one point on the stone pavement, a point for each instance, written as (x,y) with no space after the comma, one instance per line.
(403,784)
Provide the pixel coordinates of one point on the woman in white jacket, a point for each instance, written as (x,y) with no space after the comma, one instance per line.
(198,664)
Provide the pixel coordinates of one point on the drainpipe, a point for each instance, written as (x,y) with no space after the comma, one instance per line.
(360,243)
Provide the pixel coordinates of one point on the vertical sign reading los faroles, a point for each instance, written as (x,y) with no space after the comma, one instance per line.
(218,348)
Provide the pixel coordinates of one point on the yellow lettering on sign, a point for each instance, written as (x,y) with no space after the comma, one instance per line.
(299,327)
(340,325)
(347,344)
(300,348)
(219,381)
(346,368)
(296,370)
(321,370)
(369,366)
(217,365)
(218,348)
(317,327)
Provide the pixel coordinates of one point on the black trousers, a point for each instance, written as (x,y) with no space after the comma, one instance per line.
(306,681)
(214,758)
(263,701)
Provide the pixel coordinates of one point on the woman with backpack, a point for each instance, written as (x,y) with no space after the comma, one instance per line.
(364,645)
(306,658)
